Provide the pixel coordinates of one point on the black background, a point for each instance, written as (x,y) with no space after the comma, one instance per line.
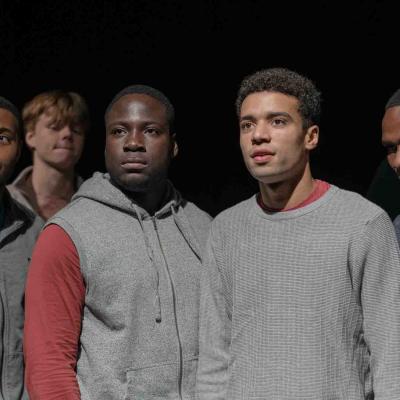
(197,52)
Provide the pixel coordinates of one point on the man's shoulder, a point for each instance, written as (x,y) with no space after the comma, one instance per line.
(19,195)
(78,211)
(31,223)
(195,212)
(355,205)
(18,208)
(235,213)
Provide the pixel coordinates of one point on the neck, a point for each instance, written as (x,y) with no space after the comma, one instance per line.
(288,194)
(50,182)
(151,199)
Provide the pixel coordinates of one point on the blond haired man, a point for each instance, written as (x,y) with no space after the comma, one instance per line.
(55,125)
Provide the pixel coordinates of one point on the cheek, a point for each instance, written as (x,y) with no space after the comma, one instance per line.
(80,141)
(391,159)
(245,144)
(159,152)
(9,156)
(113,154)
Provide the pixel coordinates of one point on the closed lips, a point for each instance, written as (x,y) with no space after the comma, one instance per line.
(260,153)
(134,161)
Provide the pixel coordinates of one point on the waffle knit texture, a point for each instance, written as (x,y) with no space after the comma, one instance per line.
(302,304)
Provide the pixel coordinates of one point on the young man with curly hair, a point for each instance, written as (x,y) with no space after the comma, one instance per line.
(300,297)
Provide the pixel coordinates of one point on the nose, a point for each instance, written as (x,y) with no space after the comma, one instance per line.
(134,141)
(261,133)
(66,133)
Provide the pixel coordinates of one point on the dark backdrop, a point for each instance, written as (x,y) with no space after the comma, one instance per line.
(197,52)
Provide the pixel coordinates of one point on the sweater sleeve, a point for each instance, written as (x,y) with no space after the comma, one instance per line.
(380,301)
(54,299)
(215,331)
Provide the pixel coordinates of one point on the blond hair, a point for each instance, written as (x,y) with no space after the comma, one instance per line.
(65,108)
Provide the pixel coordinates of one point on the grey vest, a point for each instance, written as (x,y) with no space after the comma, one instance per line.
(139,336)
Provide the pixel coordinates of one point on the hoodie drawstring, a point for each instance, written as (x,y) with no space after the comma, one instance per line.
(186,231)
(157,301)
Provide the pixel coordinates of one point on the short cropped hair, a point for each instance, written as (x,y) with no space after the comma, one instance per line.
(66,107)
(7,105)
(149,91)
(394,100)
(288,82)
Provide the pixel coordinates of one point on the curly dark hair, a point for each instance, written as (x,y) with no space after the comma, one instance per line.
(288,82)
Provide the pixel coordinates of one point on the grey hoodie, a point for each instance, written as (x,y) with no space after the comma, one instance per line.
(17,238)
(139,336)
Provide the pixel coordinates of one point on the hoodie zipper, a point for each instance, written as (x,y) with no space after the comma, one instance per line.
(174,304)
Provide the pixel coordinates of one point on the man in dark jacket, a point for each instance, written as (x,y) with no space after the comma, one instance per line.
(18,231)
(119,270)
(391,140)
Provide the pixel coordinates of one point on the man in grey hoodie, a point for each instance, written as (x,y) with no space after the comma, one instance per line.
(113,289)
(18,232)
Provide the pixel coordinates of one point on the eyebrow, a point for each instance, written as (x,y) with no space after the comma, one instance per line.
(3,130)
(386,143)
(128,122)
(269,115)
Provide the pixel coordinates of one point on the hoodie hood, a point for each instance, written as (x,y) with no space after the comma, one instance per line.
(100,188)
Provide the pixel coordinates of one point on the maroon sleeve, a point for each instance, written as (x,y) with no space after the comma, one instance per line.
(54,299)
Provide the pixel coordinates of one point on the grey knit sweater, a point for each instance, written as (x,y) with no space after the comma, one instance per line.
(303,304)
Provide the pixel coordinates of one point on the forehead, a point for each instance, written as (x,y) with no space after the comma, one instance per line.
(391,123)
(266,101)
(138,105)
(8,120)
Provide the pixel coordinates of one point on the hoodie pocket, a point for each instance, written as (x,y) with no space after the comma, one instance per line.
(158,382)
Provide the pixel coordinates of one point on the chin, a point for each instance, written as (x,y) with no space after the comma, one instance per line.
(63,165)
(136,185)
(269,179)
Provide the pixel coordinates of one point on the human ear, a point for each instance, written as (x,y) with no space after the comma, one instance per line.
(30,139)
(311,137)
(175,147)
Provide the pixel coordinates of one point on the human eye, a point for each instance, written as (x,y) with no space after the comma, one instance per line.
(153,131)
(245,126)
(391,149)
(278,121)
(53,126)
(77,130)
(117,131)
(4,139)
